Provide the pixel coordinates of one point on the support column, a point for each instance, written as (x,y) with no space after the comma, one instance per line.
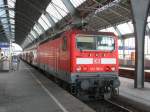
(122,40)
(140,12)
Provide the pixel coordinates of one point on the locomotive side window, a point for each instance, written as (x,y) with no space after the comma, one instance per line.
(85,43)
(64,45)
(95,42)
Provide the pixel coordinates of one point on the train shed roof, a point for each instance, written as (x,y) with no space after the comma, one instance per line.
(26,20)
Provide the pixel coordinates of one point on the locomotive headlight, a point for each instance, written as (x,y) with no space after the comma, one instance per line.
(113,68)
(78,68)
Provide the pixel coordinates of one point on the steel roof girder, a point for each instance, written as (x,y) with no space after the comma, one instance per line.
(69,6)
(116,29)
(38,24)
(49,18)
(36,32)
(6,8)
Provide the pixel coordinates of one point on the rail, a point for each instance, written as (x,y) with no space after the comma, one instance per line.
(119,108)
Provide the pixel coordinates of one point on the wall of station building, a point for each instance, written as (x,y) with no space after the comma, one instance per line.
(127,51)
(127,44)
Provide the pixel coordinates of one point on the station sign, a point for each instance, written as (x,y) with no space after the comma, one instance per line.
(4,44)
(126,48)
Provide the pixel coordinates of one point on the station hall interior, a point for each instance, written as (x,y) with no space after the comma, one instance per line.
(39,38)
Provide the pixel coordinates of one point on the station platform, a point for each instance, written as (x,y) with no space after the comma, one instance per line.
(27,90)
(129,72)
(130,68)
(139,98)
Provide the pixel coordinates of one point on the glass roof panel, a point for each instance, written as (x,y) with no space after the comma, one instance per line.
(131,26)
(33,34)
(76,3)
(148,25)
(31,37)
(60,7)
(46,20)
(124,28)
(1,2)
(103,30)
(37,30)
(2,13)
(4,21)
(111,29)
(37,35)
(12,30)
(11,3)
(12,26)
(43,23)
(12,21)
(148,19)
(14,1)
(11,14)
(5,26)
(53,13)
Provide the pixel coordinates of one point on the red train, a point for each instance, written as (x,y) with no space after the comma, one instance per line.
(88,61)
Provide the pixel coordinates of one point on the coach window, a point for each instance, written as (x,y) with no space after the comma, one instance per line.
(64,45)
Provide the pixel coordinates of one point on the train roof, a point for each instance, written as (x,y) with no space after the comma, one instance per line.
(77,31)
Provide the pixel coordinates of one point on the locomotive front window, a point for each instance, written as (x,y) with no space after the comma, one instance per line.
(95,42)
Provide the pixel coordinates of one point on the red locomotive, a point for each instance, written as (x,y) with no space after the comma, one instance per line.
(88,61)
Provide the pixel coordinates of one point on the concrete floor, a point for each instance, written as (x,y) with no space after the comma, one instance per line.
(26,90)
(138,97)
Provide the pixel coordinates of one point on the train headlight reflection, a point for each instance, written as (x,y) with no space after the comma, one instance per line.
(113,68)
(78,69)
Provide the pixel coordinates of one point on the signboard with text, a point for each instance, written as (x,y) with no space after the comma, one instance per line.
(4,45)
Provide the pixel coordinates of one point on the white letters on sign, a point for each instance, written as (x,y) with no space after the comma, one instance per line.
(84,61)
(96,61)
(108,60)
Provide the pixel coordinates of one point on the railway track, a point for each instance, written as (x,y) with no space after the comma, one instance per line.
(117,107)
(112,105)
(106,106)
(97,105)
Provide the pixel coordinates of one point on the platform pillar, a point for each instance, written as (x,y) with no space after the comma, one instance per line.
(139,14)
